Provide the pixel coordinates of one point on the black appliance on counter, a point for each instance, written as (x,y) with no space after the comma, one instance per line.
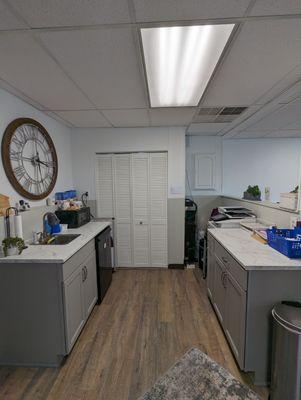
(74,218)
(103,244)
(190,229)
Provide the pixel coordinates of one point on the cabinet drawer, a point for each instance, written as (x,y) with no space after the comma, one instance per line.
(232,266)
(78,258)
(211,243)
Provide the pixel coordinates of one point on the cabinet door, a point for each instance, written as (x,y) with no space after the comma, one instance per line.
(74,310)
(235,318)
(158,208)
(123,209)
(210,274)
(219,290)
(140,207)
(89,284)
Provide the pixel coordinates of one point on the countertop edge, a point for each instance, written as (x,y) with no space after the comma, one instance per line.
(12,260)
(255,267)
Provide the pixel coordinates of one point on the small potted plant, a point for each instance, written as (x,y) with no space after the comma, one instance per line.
(252,193)
(13,246)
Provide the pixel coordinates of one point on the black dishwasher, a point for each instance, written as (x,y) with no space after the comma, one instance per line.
(104,262)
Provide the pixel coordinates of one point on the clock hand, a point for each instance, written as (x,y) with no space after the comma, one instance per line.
(42,162)
(39,166)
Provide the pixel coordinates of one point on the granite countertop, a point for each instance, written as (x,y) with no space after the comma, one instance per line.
(58,254)
(250,253)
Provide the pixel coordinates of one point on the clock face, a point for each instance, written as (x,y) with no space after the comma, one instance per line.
(29,158)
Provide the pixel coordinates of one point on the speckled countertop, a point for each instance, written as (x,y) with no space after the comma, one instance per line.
(251,254)
(58,253)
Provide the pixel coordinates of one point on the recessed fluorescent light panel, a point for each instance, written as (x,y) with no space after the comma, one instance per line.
(180,60)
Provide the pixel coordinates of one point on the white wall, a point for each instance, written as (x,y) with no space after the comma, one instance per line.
(87,142)
(10,108)
(262,162)
(204,145)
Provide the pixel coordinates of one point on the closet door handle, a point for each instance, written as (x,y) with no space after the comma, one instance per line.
(141,223)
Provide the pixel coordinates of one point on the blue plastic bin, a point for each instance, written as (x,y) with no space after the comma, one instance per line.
(279,240)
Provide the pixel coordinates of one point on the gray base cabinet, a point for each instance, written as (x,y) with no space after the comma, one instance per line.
(235,317)
(243,300)
(73,307)
(44,308)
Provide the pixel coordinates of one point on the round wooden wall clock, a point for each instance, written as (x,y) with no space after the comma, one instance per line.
(29,158)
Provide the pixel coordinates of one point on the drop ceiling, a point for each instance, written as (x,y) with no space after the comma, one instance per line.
(81,61)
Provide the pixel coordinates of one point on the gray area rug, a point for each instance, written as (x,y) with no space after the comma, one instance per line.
(196,377)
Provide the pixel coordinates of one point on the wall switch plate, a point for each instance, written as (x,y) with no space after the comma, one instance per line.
(294,220)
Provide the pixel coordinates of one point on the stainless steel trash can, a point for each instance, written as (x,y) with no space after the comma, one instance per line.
(286,355)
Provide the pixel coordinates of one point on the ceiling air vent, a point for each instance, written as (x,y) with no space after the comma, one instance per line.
(218,114)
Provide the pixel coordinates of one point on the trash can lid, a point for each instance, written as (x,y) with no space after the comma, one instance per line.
(289,313)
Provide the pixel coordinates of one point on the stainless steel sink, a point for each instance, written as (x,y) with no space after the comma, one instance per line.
(59,239)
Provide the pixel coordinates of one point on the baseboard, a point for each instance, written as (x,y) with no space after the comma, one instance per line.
(176,266)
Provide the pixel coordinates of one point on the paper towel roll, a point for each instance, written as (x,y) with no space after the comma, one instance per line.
(18,226)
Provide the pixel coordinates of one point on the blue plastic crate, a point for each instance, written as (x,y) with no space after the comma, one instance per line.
(59,196)
(279,240)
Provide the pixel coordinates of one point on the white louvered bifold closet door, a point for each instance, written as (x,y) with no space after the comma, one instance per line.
(158,208)
(104,186)
(140,210)
(132,188)
(123,209)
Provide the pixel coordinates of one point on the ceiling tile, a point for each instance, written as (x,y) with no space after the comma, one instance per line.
(51,13)
(294,125)
(276,7)
(27,67)
(103,63)
(249,135)
(262,54)
(181,116)
(206,129)
(8,20)
(282,118)
(127,118)
(284,133)
(169,10)
(84,119)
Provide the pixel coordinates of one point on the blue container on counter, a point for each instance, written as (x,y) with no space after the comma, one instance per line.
(56,228)
(286,241)
(68,194)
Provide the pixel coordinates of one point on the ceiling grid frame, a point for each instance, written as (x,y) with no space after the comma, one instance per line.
(240,21)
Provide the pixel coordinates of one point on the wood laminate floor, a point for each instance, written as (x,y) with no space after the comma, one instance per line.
(148,319)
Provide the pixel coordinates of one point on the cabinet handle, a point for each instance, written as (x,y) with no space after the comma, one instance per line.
(84,273)
(222,277)
(225,280)
(224,260)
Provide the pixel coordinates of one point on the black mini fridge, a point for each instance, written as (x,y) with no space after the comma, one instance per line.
(103,244)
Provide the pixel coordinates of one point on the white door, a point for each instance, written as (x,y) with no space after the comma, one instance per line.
(134,188)
(158,208)
(104,186)
(140,210)
(123,207)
